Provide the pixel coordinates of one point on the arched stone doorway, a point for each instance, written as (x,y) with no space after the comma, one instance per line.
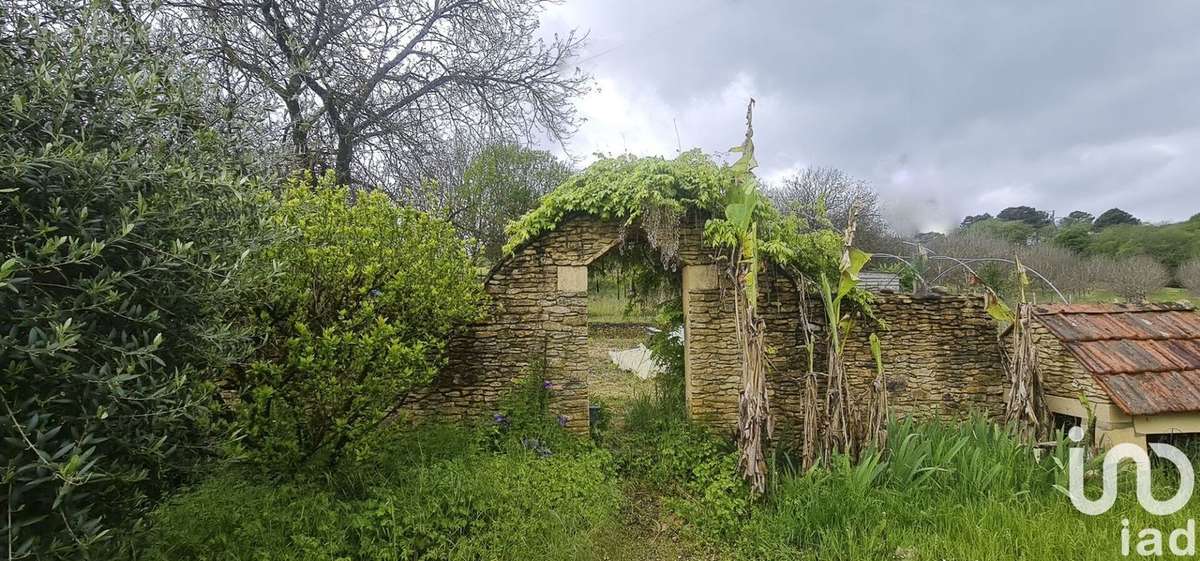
(538,318)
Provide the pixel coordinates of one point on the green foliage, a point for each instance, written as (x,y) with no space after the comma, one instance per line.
(1169,244)
(124,224)
(1076,217)
(523,419)
(1075,236)
(668,351)
(500,185)
(627,188)
(624,188)
(1012,231)
(415,498)
(694,468)
(974,218)
(1114,217)
(367,295)
(940,490)
(1027,214)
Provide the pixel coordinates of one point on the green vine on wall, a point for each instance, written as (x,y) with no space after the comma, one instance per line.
(655,194)
(630,189)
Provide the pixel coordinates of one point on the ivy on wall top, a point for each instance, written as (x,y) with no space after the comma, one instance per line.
(628,188)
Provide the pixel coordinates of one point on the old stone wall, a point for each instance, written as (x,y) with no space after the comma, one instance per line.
(714,356)
(537,322)
(940,354)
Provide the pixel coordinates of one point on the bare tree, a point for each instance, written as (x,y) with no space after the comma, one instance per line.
(1189,275)
(992,259)
(1131,278)
(824,196)
(368,83)
(1065,268)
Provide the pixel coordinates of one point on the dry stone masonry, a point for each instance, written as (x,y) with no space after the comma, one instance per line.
(940,353)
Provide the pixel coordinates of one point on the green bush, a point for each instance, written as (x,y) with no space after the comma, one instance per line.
(368,294)
(124,224)
(414,499)
(695,469)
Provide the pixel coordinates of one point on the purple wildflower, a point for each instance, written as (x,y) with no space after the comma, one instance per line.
(500,419)
(547,385)
(562,420)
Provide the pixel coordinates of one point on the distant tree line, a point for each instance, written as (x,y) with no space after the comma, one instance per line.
(1080,252)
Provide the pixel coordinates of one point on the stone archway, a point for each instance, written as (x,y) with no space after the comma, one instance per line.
(538,318)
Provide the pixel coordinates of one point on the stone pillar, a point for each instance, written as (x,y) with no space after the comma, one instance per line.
(572,279)
(695,278)
(566,341)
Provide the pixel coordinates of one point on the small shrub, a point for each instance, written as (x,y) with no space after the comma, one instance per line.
(522,418)
(368,295)
(695,468)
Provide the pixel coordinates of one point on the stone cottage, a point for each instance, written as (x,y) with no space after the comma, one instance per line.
(1136,368)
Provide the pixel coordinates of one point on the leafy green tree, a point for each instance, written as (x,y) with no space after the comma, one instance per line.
(123,224)
(500,185)
(1114,217)
(1170,244)
(367,296)
(1074,236)
(1012,231)
(1076,217)
(1027,214)
(972,219)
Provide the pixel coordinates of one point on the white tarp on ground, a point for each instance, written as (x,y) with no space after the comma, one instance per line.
(640,360)
(637,360)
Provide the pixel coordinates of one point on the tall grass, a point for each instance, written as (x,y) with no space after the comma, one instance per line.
(939,490)
(435,494)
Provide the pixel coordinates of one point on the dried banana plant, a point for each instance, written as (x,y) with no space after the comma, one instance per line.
(754,410)
(1025,407)
(809,454)
(845,423)
(874,432)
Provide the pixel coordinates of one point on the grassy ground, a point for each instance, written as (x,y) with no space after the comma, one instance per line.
(608,305)
(658,489)
(651,487)
(1163,295)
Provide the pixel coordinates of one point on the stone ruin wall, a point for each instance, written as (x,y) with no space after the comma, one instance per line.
(941,357)
(940,353)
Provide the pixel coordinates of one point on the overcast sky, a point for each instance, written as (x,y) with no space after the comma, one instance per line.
(948,108)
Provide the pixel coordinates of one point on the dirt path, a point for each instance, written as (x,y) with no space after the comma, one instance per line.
(648,531)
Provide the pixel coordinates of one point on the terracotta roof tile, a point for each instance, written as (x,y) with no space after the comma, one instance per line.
(1147,357)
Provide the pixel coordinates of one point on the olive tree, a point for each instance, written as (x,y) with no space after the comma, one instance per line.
(124,224)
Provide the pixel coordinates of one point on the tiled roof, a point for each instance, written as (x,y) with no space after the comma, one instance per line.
(1147,357)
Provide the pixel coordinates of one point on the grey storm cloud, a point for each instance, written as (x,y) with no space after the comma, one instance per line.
(948,108)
